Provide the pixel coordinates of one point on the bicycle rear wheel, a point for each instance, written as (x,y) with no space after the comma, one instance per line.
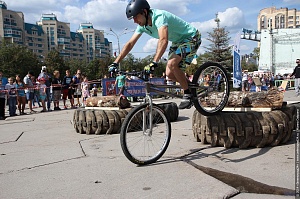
(140,144)
(211,95)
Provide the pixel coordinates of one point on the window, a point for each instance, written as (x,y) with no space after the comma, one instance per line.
(291,17)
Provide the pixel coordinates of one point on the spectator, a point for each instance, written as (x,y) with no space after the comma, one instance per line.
(250,82)
(4,79)
(77,79)
(207,80)
(48,81)
(94,90)
(21,97)
(29,89)
(296,74)
(272,80)
(43,92)
(67,89)
(36,97)
(11,96)
(120,82)
(245,81)
(85,90)
(56,88)
(2,100)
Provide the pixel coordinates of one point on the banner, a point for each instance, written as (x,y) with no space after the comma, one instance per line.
(133,87)
(237,68)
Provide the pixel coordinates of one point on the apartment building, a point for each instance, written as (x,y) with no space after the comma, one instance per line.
(36,40)
(96,45)
(281,18)
(49,34)
(11,25)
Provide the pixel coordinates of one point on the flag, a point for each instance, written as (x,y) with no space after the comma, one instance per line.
(237,68)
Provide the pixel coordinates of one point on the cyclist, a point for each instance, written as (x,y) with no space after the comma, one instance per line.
(164,26)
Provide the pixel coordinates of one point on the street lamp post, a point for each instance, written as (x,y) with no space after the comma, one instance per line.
(118,39)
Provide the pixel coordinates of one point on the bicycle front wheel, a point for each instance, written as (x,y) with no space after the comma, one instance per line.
(140,143)
(212,91)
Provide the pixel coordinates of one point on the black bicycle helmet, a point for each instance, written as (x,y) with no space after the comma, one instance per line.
(135,7)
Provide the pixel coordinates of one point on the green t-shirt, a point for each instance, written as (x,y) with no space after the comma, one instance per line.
(121,80)
(178,29)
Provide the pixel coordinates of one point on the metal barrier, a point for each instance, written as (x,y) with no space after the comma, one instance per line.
(290,83)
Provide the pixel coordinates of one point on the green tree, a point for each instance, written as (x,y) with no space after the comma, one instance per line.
(17,59)
(55,62)
(256,53)
(219,49)
(249,66)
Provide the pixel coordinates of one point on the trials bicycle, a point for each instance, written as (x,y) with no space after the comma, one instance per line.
(146,130)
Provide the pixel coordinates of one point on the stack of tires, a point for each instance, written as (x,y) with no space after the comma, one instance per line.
(245,129)
(93,121)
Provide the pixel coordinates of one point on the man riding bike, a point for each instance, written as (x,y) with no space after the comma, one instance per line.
(164,26)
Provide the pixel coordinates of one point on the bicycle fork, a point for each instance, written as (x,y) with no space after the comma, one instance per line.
(148,116)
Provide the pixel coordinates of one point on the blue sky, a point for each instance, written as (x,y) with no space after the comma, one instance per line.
(106,14)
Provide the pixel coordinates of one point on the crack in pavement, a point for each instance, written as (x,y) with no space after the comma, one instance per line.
(50,163)
(13,140)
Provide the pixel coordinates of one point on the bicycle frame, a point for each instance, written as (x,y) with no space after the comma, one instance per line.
(149,87)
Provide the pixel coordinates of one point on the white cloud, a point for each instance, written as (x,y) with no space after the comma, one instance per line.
(150,45)
(102,13)
(178,7)
(231,18)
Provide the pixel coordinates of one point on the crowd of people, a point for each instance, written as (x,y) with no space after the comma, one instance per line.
(17,92)
(266,81)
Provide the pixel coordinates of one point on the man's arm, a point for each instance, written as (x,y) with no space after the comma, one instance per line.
(128,46)
(162,43)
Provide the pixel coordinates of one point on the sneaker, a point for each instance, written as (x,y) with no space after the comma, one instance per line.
(65,107)
(49,109)
(186,101)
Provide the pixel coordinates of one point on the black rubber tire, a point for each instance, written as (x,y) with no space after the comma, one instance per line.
(198,75)
(88,121)
(131,122)
(171,110)
(245,129)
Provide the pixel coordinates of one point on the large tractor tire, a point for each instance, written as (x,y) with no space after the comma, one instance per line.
(88,121)
(245,129)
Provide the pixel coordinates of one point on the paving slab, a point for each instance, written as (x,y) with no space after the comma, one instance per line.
(41,156)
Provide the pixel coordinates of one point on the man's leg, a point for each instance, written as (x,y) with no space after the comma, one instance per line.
(176,74)
(29,100)
(297,83)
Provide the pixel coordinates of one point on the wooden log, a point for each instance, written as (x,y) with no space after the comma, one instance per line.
(264,99)
(108,101)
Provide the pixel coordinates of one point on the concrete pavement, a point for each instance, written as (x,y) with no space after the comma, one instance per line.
(41,156)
